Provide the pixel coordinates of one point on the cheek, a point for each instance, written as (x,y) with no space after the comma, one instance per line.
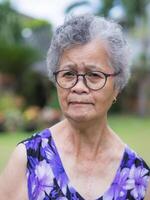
(104,98)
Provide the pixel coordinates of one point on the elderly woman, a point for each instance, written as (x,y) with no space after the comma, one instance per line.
(80,157)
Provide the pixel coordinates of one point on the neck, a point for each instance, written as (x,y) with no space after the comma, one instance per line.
(88,139)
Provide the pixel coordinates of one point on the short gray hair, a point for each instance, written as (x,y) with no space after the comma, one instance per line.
(85,28)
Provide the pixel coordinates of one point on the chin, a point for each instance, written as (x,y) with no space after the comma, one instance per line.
(79,117)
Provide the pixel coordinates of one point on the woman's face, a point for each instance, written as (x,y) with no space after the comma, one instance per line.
(81,103)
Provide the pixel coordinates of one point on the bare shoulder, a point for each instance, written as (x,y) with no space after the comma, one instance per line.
(57,129)
(13,184)
(18,159)
(147,196)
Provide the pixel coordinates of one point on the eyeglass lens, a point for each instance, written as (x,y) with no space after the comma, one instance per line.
(93,80)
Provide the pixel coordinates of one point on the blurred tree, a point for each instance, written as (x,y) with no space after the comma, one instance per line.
(15,56)
(35,88)
(18,53)
(133,9)
(10,26)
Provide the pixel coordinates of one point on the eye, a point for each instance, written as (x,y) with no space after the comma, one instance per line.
(68,74)
(95,75)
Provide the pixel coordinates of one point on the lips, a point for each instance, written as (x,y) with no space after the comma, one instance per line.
(80,102)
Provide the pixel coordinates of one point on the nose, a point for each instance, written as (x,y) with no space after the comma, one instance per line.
(80,86)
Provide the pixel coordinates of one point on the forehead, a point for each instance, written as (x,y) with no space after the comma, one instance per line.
(93,53)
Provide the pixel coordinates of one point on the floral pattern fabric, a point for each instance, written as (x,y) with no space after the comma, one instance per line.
(47,179)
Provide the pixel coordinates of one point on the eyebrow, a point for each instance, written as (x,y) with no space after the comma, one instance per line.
(69,65)
(92,66)
(87,66)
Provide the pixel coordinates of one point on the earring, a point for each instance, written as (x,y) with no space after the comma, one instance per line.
(114,100)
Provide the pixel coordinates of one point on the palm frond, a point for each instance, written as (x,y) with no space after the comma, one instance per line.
(76,5)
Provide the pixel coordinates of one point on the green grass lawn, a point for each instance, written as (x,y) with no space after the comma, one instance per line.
(133,130)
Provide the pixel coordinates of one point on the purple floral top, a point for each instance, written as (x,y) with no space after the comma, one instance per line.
(47,179)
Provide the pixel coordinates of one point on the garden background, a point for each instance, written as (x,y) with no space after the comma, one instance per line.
(28,100)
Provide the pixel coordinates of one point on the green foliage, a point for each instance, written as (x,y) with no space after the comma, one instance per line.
(134,9)
(10,24)
(105,8)
(35,23)
(16,58)
(34,88)
(54,103)
(10,112)
(6,102)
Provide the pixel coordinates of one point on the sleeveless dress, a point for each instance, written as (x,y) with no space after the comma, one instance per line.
(47,179)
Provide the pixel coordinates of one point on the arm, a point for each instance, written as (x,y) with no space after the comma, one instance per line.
(13,183)
(147,196)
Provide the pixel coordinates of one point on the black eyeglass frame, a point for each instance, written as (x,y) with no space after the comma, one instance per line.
(84,79)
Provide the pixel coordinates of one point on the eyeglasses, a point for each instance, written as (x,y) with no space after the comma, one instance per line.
(94,80)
